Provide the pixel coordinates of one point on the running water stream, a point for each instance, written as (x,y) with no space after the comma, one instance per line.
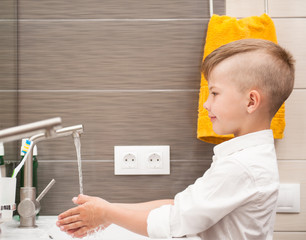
(77,143)
(96,233)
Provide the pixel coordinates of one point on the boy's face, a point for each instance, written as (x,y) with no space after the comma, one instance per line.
(226,104)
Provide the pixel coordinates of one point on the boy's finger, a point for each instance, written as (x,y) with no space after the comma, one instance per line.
(71,226)
(72,231)
(68,221)
(68,213)
(81,199)
(80,232)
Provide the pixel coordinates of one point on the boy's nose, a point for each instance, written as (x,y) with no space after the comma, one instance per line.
(205,105)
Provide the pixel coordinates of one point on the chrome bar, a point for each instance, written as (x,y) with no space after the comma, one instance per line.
(28,169)
(43,193)
(211,7)
(15,133)
(266,7)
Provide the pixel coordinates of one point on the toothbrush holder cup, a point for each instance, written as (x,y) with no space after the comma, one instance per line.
(7,198)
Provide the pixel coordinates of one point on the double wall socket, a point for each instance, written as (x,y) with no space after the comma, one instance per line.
(142,160)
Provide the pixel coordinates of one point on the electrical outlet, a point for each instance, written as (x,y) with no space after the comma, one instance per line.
(155,160)
(129,160)
(142,160)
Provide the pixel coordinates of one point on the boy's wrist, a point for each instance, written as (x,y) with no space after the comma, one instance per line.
(109,212)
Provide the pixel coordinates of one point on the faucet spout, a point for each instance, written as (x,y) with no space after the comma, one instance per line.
(77,129)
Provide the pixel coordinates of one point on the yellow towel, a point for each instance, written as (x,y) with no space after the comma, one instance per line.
(222,30)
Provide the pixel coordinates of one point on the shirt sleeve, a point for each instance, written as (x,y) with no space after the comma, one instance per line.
(158,222)
(204,203)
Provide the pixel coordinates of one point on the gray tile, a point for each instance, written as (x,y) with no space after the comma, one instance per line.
(99,180)
(109,119)
(11,155)
(8,110)
(8,9)
(111,55)
(8,55)
(118,9)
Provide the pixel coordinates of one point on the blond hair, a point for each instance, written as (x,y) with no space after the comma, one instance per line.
(260,64)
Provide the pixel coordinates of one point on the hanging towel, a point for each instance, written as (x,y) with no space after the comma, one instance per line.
(222,30)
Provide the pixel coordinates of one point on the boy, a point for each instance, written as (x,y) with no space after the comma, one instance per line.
(236,198)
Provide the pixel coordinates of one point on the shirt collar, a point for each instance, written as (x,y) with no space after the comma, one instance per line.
(239,143)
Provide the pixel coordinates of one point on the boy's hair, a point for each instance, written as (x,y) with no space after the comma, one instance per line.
(260,64)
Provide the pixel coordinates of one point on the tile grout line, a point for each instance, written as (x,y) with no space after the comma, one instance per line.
(174,161)
(102,91)
(115,20)
(130,19)
(110,91)
(112,161)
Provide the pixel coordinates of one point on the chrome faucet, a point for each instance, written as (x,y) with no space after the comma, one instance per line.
(29,206)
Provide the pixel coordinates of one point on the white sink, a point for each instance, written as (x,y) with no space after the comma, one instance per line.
(46,229)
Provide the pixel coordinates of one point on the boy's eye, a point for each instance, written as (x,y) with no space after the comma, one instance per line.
(213,93)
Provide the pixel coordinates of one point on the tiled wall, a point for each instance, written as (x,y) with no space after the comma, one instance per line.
(8,70)
(129,71)
(289,17)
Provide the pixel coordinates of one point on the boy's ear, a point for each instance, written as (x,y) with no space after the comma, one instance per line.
(254,100)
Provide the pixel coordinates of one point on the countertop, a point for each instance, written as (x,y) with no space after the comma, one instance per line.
(46,229)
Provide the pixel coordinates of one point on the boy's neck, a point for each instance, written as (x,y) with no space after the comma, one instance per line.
(254,125)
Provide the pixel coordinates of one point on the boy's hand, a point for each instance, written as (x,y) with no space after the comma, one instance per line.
(85,218)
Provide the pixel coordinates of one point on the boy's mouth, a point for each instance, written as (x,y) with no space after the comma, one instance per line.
(212,118)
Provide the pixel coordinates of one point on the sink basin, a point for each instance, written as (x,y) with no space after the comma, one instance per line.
(46,229)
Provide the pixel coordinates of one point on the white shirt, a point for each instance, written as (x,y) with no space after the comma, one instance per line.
(235,199)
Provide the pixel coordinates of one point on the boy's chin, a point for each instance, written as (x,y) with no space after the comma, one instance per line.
(221,132)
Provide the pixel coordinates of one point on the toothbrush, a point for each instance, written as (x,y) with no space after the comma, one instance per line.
(25,149)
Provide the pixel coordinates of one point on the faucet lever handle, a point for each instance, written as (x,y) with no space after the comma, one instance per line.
(44,192)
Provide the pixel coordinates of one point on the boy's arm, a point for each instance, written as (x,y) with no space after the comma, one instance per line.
(146,205)
(94,212)
(134,216)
